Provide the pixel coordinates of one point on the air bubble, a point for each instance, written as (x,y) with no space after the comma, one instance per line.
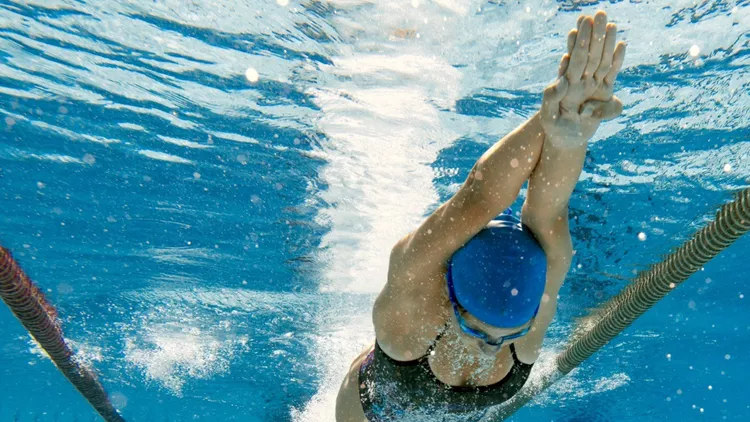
(252,75)
(64,288)
(119,400)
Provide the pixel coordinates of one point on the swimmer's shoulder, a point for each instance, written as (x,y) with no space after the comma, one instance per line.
(409,312)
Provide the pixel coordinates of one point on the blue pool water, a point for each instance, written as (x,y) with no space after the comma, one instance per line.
(208,192)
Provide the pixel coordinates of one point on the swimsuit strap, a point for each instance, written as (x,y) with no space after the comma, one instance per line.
(434,342)
(513,353)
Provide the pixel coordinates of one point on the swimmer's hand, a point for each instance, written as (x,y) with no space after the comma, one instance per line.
(574,106)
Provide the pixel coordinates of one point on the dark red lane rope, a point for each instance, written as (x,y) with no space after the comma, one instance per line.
(39,317)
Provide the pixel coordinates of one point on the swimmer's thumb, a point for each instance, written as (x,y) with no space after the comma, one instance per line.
(603,110)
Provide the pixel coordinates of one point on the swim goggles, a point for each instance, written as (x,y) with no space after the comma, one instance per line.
(480,334)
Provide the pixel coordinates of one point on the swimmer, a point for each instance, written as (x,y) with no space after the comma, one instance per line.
(470,295)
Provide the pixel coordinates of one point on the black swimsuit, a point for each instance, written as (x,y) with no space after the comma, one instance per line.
(391,390)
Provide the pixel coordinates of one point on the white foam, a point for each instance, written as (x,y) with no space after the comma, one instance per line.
(36,349)
(171,355)
(384,127)
(572,387)
(349,332)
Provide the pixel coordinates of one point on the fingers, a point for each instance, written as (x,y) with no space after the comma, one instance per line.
(597,43)
(611,109)
(572,40)
(617,60)
(588,108)
(603,110)
(580,55)
(552,96)
(563,65)
(556,92)
(609,48)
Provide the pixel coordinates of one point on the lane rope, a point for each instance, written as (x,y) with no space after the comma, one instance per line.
(39,318)
(648,287)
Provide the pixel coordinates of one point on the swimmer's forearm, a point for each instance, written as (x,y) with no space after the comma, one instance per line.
(553,179)
(502,170)
(546,207)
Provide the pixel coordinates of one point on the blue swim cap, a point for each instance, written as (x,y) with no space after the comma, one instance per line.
(500,274)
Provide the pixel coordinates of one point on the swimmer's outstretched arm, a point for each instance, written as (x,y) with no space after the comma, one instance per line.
(548,150)
(571,112)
